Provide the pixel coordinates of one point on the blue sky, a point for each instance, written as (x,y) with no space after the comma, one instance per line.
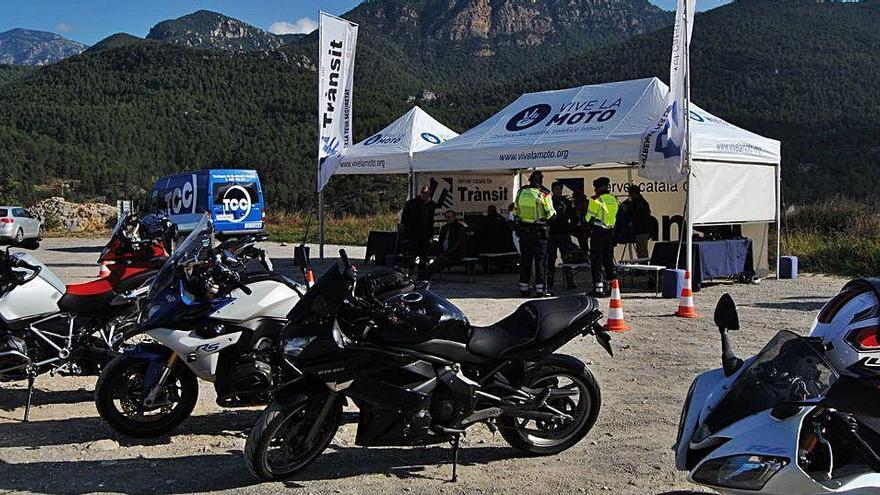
(89,21)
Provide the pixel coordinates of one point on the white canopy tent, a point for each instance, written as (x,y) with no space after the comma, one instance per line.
(734,173)
(390,151)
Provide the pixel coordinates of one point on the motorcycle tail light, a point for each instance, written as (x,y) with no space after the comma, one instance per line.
(865,339)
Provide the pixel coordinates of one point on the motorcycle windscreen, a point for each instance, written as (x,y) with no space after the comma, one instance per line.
(789,368)
(193,248)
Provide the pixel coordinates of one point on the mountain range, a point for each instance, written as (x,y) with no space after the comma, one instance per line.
(209,90)
(26,47)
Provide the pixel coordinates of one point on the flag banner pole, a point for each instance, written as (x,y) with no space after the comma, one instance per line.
(336,54)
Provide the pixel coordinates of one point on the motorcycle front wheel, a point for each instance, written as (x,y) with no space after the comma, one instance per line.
(120,398)
(278,445)
(574,392)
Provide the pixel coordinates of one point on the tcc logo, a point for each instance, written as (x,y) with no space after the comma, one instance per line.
(237,203)
(528,117)
(431,138)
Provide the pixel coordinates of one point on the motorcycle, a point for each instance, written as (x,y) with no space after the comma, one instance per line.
(212,313)
(420,373)
(75,329)
(781,422)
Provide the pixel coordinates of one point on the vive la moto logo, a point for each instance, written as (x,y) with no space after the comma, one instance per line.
(571,113)
(380,139)
(431,138)
(529,117)
(236,204)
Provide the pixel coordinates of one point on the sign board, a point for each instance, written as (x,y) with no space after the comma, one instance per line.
(469,193)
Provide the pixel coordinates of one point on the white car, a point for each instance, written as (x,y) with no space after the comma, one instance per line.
(17,224)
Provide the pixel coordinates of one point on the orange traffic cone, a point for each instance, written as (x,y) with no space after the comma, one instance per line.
(686,303)
(615,310)
(104,271)
(310,278)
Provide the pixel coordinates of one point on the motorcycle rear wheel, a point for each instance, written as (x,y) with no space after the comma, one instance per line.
(119,397)
(549,438)
(273,450)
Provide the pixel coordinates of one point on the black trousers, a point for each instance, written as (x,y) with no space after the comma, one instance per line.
(602,258)
(533,254)
(439,264)
(418,248)
(556,242)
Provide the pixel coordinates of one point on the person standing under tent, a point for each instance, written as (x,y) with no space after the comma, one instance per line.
(417,219)
(639,218)
(560,231)
(602,216)
(532,209)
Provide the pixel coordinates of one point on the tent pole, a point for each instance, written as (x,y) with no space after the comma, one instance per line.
(778,217)
(412,177)
(321,225)
(689,220)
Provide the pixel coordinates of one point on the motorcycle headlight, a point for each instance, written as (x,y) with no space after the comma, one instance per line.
(744,472)
(295,346)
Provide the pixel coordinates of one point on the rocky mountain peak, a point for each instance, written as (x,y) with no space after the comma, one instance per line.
(212,31)
(27,47)
(520,22)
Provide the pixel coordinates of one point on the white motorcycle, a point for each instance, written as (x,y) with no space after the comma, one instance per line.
(210,320)
(783,422)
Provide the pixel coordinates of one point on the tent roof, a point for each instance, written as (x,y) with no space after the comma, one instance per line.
(388,151)
(602,123)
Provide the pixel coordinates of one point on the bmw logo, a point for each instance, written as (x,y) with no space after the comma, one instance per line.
(528,117)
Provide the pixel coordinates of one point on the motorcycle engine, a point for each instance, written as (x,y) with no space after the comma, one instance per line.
(13,357)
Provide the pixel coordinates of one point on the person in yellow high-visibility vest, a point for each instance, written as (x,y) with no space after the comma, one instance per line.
(532,210)
(602,217)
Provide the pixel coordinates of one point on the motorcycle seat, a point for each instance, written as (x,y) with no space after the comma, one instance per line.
(531,325)
(97,303)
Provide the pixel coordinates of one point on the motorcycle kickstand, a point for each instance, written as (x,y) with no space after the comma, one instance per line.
(27,408)
(455,446)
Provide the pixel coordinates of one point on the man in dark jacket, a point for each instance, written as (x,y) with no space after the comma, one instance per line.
(418,227)
(640,219)
(560,231)
(452,245)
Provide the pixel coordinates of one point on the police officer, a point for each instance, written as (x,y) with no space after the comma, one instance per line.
(532,210)
(602,216)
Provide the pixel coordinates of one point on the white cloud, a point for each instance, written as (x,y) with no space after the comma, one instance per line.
(63,27)
(304,25)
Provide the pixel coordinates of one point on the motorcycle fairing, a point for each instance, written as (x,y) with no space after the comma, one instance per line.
(763,434)
(200,353)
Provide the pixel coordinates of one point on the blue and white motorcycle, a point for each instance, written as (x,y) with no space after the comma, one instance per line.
(210,318)
(786,421)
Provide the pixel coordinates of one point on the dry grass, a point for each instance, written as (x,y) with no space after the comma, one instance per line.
(347,230)
(839,236)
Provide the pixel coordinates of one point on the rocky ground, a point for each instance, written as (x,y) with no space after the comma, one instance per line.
(68,449)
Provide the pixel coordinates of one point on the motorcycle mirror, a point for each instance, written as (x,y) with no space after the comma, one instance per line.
(852,395)
(726,316)
(301,256)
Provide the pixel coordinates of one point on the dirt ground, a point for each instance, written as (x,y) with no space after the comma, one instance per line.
(66,448)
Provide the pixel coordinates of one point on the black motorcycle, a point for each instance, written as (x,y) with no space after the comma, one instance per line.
(420,374)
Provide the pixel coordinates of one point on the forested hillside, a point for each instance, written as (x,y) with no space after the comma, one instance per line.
(109,121)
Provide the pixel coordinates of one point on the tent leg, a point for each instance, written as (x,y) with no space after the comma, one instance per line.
(778,218)
(321,225)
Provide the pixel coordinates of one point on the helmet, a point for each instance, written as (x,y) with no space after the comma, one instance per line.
(849,326)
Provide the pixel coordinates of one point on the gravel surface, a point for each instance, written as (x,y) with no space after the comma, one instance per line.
(68,449)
